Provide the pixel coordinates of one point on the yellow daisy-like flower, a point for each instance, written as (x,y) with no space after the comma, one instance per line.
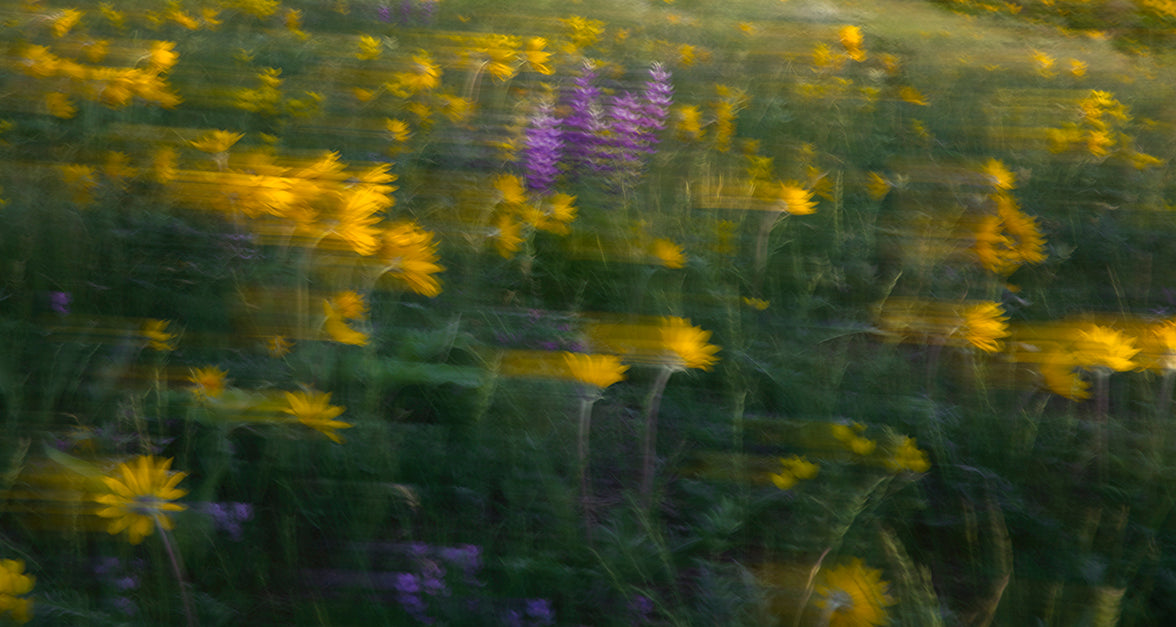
(1104,347)
(369,48)
(850,436)
(158,338)
(314,410)
(597,370)
(877,186)
(998,175)
(14,584)
(140,497)
(851,40)
(60,105)
(409,253)
(911,95)
(687,344)
(984,325)
(1059,374)
(335,324)
(668,253)
(209,382)
(853,595)
(215,142)
(908,456)
(278,345)
(797,200)
(795,469)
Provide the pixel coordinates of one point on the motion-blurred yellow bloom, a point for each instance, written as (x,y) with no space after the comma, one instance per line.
(795,469)
(337,327)
(797,200)
(687,344)
(314,410)
(596,370)
(209,381)
(668,253)
(140,497)
(409,255)
(1103,347)
(984,324)
(908,456)
(215,142)
(853,595)
(157,335)
(14,584)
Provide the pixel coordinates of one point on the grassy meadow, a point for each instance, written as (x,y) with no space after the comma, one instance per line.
(632,312)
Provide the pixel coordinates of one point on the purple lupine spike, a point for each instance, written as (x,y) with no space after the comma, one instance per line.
(544,147)
(626,137)
(584,123)
(658,96)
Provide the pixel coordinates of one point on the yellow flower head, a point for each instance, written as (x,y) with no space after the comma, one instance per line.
(795,469)
(410,255)
(998,175)
(335,324)
(215,142)
(140,497)
(851,40)
(984,325)
(1104,347)
(797,200)
(850,436)
(853,595)
(908,456)
(596,370)
(369,48)
(1059,374)
(209,382)
(314,410)
(278,345)
(668,253)
(687,344)
(14,584)
(157,336)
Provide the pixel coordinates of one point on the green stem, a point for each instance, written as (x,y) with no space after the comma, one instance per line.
(652,403)
(586,404)
(178,571)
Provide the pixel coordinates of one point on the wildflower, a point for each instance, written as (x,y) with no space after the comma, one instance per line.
(157,336)
(507,235)
(350,305)
(757,304)
(911,95)
(1059,375)
(853,595)
(689,127)
(80,181)
(64,21)
(1044,63)
(687,344)
(209,382)
(596,370)
(668,253)
(850,436)
(163,165)
(536,56)
(1077,68)
(583,123)
(1009,239)
(984,325)
(140,497)
(369,48)
(851,40)
(59,105)
(293,23)
(116,18)
(14,584)
(1103,347)
(336,323)
(878,186)
(278,345)
(908,456)
(510,189)
(998,175)
(162,56)
(215,142)
(557,212)
(582,32)
(795,469)
(410,257)
(398,129)
(544,147)
(314,410)
(795,199)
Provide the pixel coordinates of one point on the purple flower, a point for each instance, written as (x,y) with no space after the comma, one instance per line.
(384,13)
(59,302)
(543,149)
(584,125)
(539,612)
(658,96)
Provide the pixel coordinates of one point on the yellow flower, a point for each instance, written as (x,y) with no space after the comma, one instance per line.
(1044,62)
(1104,347)
(689,127)
(507,235)
(314,410)
(350,305)
(911,95)
(878,186)
(511,190)
(14,584)
(597,370)
(369,48)
(797,200)
(209,381)
(853,595)
(64,21)
(59,105)
(908,456)
(536,56)
(410,255)
(336,325)
(398,129)
(668,253)
(796,469)
(850,436)
(140,497)
(688,344)
(1060,376)
(757,304)
(1077,68)
(984,325)
(851,40)
(998,175)
(157,336)
(278,345)
(163,165)
(215,142)
(163,56)
(80,181)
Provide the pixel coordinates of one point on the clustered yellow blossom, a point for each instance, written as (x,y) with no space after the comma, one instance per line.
(908,456)
(598,371)
(1101,130)
(850,436)
(688,345)
(207,382)
(408,254)
(794,470)
(341,311)
(14,585)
